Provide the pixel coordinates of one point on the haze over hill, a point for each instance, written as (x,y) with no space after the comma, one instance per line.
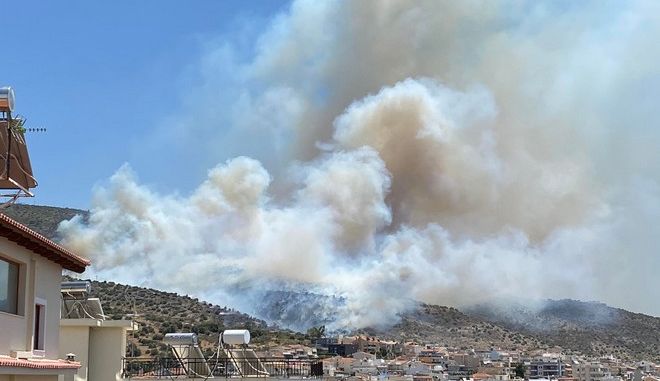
(588,328)
(573,329)
(578,327)
(585,327)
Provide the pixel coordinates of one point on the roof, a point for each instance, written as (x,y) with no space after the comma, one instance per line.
(37,363)
(33,241)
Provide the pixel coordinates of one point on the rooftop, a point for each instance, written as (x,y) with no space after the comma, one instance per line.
(31,240)
(6,361)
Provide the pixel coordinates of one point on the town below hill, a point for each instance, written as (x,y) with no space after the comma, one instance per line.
(439,343)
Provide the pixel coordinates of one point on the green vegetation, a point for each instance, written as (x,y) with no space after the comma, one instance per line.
(520,371)
(158,313)
(316,332)
(17,124)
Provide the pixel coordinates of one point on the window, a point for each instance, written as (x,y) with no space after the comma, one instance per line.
(39,324)
(9,286)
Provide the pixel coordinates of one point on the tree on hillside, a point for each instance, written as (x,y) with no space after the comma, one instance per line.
(316,332)
(382,353)
(520,371)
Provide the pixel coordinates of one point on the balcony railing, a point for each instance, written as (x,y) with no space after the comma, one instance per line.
(167,368)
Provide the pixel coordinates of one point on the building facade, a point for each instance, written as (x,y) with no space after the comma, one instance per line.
(545,368)
(30,275)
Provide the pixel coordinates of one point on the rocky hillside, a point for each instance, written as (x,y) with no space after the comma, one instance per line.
(585,327)
(569,326)
(158,313)
(448,326)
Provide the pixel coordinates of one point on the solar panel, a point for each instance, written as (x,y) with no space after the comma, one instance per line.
(15,167)
(82,309)
(185,348)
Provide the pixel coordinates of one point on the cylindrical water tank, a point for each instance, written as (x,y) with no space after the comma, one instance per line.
(236,336)
(6,98)
(180,339)
(76,286)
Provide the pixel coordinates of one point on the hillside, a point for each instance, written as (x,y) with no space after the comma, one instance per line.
(577,327)
(585,327)
(159,312)
(450,327)
(43,219)
(567,325)
(573,327)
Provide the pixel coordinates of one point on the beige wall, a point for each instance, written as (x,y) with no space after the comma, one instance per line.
(34,377)
(13,328)
(107,346)
(48,283)
(99,346)
(75,340)
(25,377)
(39,278)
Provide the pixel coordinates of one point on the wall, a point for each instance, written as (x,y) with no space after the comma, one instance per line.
(107,347)
(99,346)
(13,328)
(75,340)
(48,283)
(28,378)
(38,277)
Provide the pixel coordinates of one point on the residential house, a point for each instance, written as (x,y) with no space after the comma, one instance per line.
(30,274)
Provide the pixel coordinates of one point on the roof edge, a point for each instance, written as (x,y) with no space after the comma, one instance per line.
(31,240)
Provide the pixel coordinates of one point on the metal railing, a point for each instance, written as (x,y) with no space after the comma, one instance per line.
(167,368)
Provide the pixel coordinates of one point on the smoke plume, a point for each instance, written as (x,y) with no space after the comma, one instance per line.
(444,152)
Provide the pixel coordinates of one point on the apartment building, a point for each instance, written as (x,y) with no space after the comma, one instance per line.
(546,368)
(592,371)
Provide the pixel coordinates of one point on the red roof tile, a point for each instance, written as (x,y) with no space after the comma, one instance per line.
(38,363)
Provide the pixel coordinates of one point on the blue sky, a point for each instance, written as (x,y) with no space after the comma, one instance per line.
(103,76)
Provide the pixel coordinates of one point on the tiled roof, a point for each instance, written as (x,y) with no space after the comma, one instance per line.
(31,240)
(37,363)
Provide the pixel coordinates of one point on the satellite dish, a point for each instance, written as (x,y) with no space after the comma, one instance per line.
(15,168)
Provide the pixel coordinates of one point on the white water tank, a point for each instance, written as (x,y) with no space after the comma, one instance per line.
(180,339)
(6,98)
(236,336)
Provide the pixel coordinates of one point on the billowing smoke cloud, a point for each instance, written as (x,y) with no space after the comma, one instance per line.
(445,152)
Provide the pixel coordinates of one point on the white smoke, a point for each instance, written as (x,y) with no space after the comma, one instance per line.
(445,152)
